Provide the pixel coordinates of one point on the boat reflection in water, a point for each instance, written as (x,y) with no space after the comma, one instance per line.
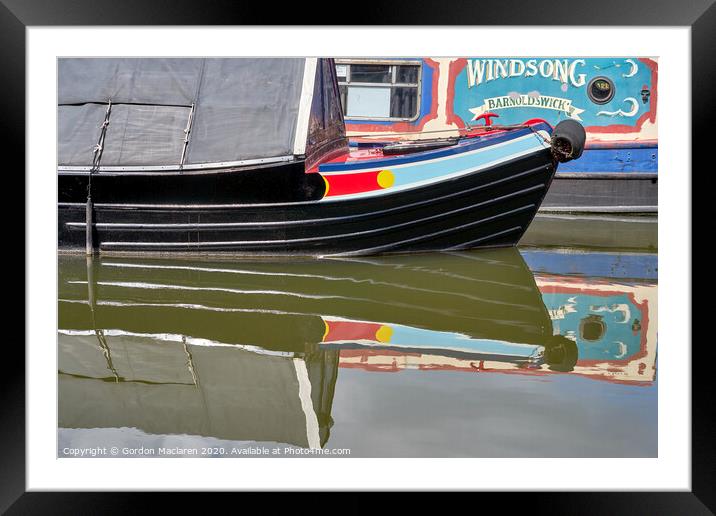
(602,330)
(250,351)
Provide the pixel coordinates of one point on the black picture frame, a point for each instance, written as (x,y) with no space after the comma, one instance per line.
(700,15)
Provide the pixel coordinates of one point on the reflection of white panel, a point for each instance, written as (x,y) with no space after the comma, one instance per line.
(304,394)
(368,102)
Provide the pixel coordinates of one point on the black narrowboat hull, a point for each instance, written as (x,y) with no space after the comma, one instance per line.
(491,207)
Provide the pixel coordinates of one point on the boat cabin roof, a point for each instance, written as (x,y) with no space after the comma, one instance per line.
(129,113)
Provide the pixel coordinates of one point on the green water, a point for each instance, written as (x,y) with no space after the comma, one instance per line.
(531,352)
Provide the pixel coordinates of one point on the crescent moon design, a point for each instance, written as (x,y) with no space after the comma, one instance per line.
(634,69)
(622,349)
(620,112)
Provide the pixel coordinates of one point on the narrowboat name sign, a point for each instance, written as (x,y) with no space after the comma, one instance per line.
(563,70)
(529,100)
(613,97)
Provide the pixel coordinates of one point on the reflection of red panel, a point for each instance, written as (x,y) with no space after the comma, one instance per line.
(545,373)
(349,330)
(471,367)
(363,354)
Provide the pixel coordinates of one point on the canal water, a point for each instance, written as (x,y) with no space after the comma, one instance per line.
(533,351)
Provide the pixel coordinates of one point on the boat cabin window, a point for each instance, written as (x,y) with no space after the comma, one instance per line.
(379,90)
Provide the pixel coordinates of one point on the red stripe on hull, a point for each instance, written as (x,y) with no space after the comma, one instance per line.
(342,184)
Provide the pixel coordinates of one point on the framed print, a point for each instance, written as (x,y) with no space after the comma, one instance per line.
(423,256)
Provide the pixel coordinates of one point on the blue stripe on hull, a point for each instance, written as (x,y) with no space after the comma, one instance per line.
(627,160)
(431,170)
(423,172)
(402,336)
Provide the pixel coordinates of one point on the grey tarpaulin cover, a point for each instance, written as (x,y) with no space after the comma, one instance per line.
(244,109)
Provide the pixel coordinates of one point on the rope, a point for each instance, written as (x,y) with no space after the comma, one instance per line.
(98,148)
(187,130)
(96,158)
(556,150)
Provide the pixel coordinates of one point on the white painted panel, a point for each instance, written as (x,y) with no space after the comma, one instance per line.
(368,102)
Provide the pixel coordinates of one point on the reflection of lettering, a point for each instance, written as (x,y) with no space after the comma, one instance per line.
(528,101)
(562,311)
(485,70)
(622,308)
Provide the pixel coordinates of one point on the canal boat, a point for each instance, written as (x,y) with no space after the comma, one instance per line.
(250,156)
(250,350)
(615,98)
(457,305)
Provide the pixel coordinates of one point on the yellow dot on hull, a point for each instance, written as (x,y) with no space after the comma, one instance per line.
(385,179)
(384,334)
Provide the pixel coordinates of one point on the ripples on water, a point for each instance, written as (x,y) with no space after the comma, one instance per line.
(486,353)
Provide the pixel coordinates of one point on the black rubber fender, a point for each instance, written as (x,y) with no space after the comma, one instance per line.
(561,354)
(568,139)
